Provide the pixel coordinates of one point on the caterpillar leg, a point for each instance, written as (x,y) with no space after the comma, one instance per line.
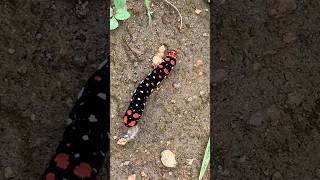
(85,142)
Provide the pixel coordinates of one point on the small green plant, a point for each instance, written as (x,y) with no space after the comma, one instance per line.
(148,4)
(205,161)
(118,13)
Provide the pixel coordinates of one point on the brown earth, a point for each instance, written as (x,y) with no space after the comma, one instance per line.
(266,95)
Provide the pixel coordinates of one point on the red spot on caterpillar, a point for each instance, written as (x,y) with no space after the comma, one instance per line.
(166,71)
(62,160)
(172,54)
(129,112)
(136,115)
(132,123)
(172,62)
(167,59)
(97,78)
(160,66)
(50,176)
(155,71)
(83,170)
(125,119)
(160,76)
(147,79)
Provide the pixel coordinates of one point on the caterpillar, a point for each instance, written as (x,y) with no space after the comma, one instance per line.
(85,143)
(145,88)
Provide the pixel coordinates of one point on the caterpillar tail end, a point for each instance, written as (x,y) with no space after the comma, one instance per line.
(131,134)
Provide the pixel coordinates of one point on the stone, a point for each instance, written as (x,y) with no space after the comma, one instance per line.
(168,159)
(8,172)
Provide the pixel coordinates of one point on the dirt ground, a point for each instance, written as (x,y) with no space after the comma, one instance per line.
(177,114)
(48,49)
(266,106)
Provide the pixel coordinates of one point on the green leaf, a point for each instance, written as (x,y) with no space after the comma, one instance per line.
(148,4)
(122,14)
(113,23)
(111,12)
(120,4)
(205,161)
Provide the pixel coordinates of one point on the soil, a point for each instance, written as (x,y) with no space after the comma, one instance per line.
(48,49)
(176,116)
(266,106)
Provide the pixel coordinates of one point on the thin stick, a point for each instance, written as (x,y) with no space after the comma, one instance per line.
(177,11)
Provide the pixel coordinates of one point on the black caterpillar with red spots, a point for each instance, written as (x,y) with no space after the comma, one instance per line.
(143,91)
(85,141)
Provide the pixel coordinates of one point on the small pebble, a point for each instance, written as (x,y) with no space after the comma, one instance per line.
(289,37)
(168,159)
(143,174)
(32,117)
(122,141)
(11,51)
(199,62)
(276,176)
(198,11)
(132,177)
(8,172)
(161,49)
(126,163)
(190,161)
(189,99)
(205,35)
(202,93)
(177,85)
(38,36)
(170,173)
(115,137)
(318,172)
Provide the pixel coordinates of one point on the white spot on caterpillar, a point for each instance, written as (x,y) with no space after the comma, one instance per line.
(153,77)
(69,121)
(102,96)
(76,155)
(85,137)
(141,92)
(139,99)
(136,104)
(147,84)
(80,93)
(102,153)
(92,118)
(158,83)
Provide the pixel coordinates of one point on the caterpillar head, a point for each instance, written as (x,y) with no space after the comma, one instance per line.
(172,53)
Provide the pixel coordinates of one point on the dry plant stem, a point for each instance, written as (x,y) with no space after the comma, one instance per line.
(177,11)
